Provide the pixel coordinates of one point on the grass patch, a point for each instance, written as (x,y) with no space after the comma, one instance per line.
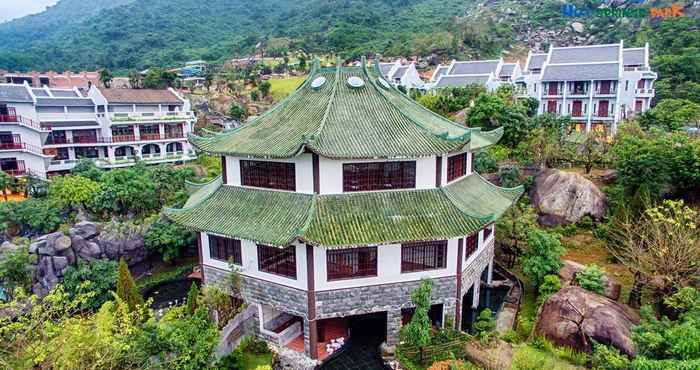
(280,88)
(586,249)
(526,357)
(252,361)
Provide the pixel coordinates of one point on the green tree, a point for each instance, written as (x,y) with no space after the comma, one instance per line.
(158,78)
(30,217)
(192,297)
(672,115)
(550,285)
(591,278)
(126,288)
(237,112)
(16,270)
(592,151)
(169,239)
(542,256)
(127,190)
(254,95)
(491,111)
(92,280)
(5,182)
(264,88)
(485,325)
(135,80)
(87,168)
(73,191)
(106,77)
(417,332)
(208,79)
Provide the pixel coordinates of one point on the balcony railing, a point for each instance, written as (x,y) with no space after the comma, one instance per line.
(19,170)
(13,117)
(644,91)
(578,114)
(151,116)
(578,92)
(21,146)
(636,69)
(610,91)
(68,116)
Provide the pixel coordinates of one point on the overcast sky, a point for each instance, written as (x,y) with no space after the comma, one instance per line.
(11,9)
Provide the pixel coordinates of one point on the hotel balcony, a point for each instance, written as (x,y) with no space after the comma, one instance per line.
(552,93)
(17,170)
(606,93)
(645,92)
(150,117)
(13,118)
(579,115)
(603,115)
(67,117)
(579,93)
(127,160)
(21,147)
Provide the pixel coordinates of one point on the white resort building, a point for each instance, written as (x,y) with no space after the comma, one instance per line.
(402,74)
(597,85)
(46,130)
(489,73)
(333,206)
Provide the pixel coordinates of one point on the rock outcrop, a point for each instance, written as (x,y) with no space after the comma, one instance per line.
(497,355)
(568,277)
(563,198)
(85,241)
(575,317)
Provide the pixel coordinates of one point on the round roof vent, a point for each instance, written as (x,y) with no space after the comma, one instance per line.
(383,83)
(318,82)
(355,82)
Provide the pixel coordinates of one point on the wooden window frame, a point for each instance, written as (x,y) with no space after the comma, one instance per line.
(342,264)
(371,176)
(471,245)
(268,174)
(225,249)
(283,260)
(457,166)
(423,256)
(488,230)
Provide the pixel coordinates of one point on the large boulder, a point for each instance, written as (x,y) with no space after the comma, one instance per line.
(563,198)
(84,229)
(497,355)
(575,317)
(568,277)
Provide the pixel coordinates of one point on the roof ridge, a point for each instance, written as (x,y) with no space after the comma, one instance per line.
(452,202)
(336,81)
(443,136)
(309,218)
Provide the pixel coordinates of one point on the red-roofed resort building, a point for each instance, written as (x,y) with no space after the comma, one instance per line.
(335,204)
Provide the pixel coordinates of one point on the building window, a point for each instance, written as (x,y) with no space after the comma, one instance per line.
(423,256)
(456,166)
(225,249)
(271,175)
(379,176)
(487,231)
(86,152)
(472,245)
(351,263)
(278,261)
(627,85)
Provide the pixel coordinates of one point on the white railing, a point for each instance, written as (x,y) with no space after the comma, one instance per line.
(67,117)
(150,116)
(644,91)
(628,69)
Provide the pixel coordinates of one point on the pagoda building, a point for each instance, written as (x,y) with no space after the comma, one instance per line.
(334,204)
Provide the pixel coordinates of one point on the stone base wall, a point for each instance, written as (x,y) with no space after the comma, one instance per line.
(379,298)
(472,272)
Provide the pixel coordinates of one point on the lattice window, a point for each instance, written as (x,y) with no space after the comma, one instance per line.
(278,261)
(471,245)
(351,263)
(423,256)
(379,176)
(271,175)
(225,249)
(456,166)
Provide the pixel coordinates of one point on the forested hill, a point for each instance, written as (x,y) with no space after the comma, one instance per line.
(135,34)
(141,33)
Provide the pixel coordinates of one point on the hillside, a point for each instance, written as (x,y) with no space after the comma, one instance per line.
(135,34)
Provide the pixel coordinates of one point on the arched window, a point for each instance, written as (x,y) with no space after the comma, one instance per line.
(150,149)
(123,151)
(173,147)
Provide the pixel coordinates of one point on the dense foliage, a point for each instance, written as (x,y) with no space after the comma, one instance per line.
(93,281)
(542,255)
(591,278)
(16,270)
(168,239)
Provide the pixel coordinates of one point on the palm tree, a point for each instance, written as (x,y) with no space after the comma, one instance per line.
(105,77)
(5,182)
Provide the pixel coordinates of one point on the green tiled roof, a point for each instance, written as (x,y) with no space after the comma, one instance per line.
(336,120)
(382,217)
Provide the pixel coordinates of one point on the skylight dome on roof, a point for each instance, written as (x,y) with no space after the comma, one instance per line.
(355,82)
(318,82)
(383,83)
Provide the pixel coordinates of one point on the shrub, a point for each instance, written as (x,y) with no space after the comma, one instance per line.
(126,288)
(485,325)
(94,280)
(254,345)
(169,239)
(542,256)
(527,358)
(509,176)
(484,162)
(591,278)
(550,285)
(16,270)
(232,361)
(608,358)
(511,336)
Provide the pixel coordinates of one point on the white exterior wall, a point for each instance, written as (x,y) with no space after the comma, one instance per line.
(249,267)
(303,171)
(331,173)
(34,163)
(388,268)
